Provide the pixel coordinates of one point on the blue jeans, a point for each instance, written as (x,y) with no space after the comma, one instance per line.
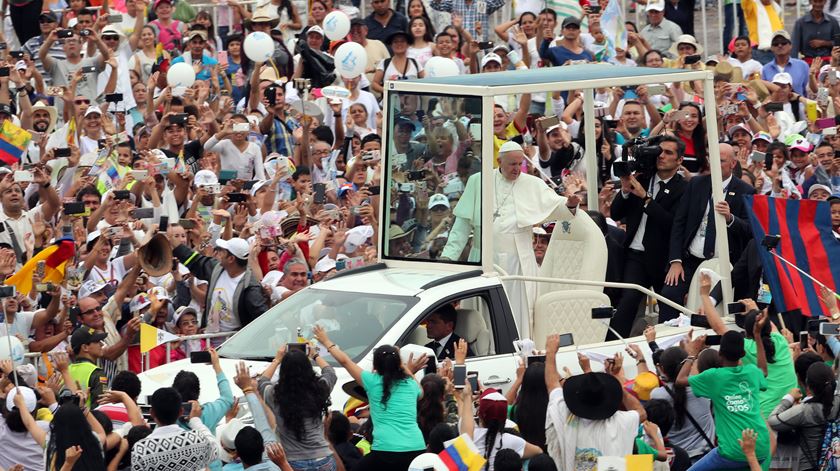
(729,24)
(713,461)
(320,464)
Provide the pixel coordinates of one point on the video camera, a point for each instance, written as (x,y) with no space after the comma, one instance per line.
(638,155)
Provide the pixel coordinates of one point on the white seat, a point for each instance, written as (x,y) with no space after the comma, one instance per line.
(577,250)
(471,327)
(693,299)
(418,336)
(569,311)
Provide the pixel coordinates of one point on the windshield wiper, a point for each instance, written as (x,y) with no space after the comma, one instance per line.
(249,358)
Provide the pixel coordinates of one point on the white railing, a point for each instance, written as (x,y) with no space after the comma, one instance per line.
(35,357)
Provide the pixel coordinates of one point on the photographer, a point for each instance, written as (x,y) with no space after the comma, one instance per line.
(647,204)
(557,151)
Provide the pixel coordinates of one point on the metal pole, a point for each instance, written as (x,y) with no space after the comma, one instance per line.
(776,254)
(721,12)
(589,156)
(721,240)
(488,183)
(705,28)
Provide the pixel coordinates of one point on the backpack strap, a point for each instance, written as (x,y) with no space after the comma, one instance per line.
(692,420)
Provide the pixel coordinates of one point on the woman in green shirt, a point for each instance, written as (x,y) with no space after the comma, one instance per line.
(392,394)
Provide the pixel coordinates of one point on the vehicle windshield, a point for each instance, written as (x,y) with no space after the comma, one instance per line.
(354,321)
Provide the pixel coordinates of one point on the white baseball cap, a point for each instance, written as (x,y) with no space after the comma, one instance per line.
(324,265)
(90,287)
(490,58)
(93,110)
(205,178)
(237,247)
(28,397)
(783,78)
(438,199)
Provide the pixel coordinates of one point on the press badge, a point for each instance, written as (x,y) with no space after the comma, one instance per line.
(481,7)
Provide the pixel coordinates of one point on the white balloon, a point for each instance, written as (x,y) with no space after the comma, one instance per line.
(350,60)
(336,25)
(180,75)
(258,46)
(17,351)
(441,67)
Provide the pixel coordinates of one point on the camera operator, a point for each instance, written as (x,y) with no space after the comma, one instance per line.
(693,235)
(647,204)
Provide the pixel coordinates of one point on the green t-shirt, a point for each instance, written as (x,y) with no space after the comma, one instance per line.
(734,392)
(781,377)
(395,425)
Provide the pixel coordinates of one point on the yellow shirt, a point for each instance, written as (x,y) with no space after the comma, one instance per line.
(751,16)
(510,132)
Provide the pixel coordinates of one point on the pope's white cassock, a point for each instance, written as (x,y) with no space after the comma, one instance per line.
(519,205)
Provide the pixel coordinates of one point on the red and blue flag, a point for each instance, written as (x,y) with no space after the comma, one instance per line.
(807,241)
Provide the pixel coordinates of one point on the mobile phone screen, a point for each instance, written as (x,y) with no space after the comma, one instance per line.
(459,376)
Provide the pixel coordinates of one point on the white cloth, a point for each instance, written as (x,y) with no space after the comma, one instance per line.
(21,325)
(113,273)
(748,68)
(248,163)
(221,307)
(504,440)
(576,443)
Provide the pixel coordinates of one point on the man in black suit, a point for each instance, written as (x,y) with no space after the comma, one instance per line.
(693,234)
(440,327)
(647,206)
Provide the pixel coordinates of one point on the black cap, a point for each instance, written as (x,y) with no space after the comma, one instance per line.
(397,34)
(571,20)
(357,22)
(85,335)
(5,108)
(49,15)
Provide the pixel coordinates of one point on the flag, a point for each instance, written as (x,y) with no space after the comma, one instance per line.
(13,143)
(151,337)
(71,132)
(612,24)
(807,241)
(461,454)
(55,257)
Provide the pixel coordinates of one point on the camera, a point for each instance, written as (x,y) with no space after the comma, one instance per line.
(638,155)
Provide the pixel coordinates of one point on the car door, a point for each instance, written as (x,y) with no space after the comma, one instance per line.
(494,359)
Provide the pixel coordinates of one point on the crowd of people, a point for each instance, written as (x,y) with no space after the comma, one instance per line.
(255,182)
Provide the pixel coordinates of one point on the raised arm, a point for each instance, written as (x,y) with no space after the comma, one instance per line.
(341,357)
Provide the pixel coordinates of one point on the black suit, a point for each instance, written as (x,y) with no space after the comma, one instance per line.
(448,350)
(687,221)
(646,268)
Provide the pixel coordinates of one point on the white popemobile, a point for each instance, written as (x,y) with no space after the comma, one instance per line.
(386,302)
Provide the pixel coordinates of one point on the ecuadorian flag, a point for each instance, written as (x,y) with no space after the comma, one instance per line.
(13,143)
(461,454)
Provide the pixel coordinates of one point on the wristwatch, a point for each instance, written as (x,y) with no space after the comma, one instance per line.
(648,198)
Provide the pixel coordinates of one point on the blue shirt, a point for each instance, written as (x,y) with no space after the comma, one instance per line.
(798,70)
(558,55)
(207,64)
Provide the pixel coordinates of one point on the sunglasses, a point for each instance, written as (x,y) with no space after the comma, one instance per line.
(45,20)
(82,102)
(779,43)
(91,310)
(112,38)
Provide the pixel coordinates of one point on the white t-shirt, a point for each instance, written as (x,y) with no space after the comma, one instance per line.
(221,303)
(248,163)
(748,68)
(113,273)
(365,98)
(21,226)
(504,440)
(22,324)
(392,73)
(421,55)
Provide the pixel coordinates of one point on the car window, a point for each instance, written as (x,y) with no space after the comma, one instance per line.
(473,323)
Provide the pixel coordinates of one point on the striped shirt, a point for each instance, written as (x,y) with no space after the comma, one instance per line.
(32,46)
(473,11)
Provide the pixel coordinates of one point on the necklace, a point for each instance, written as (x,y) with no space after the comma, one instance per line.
(500,205)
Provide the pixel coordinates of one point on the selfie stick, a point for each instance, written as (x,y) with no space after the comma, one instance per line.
(542,173)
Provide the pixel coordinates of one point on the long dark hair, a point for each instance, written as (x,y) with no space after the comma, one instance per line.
(494,427)
(427,36)
(425,15)
(670,362)
(300,395)
(769,347)
(70,428)
(821,383)
(387,362)
(430,406)
(531,403)
(698,136)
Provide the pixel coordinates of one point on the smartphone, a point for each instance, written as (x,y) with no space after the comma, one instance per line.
(180,118)
(122,194)
(416,174)
(227,175)
(90,69)
(774,107)
(771,241)
(301,347)
(536,359)
(7,291)
(713,340)
(757,156)
(186,223)
(700,321)
(566,340)
(821,123)
(16,54)
(832,131)
(140,175)
(594,9)
(114,97)
(186,407)
(692,59)
(459,373)
(114,19)
(814,325)
(656,90)
(65,33)
(320,196)
(548,122)
(163,223)
(472,377)
(199,357)
(241,127)
(23,176)
(605,312)
(803,341)
(374,190)
(237,197)
(829,329)
(485,45)
(836,39)
(768,161)
(735,308)
(61,151)
(4,71)
(223,59)
(142,213)
(76,208)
